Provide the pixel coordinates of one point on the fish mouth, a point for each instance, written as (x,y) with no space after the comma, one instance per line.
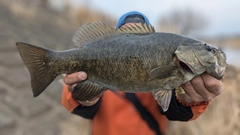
(185,68)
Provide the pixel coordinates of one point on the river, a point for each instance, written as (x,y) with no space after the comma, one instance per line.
(233,56)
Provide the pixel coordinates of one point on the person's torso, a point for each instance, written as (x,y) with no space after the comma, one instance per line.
(118,115)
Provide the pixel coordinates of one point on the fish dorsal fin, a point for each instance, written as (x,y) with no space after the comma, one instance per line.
(140,29)
(92,31)
(95,30)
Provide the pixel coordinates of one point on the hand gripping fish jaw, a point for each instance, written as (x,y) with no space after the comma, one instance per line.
(193,60)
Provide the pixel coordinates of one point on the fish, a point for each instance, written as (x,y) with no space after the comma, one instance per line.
(132,59)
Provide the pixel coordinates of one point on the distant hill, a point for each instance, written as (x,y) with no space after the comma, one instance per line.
(226,41)
(32,22)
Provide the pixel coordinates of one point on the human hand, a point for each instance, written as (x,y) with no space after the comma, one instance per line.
(72,79)
(201,88)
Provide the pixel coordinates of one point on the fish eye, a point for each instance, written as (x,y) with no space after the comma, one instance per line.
(207,47)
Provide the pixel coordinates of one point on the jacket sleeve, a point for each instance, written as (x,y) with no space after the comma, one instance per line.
(179,111)
(75,107)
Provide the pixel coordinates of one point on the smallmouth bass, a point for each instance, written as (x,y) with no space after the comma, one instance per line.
(131,59)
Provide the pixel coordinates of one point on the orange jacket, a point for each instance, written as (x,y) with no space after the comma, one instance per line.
(118,116)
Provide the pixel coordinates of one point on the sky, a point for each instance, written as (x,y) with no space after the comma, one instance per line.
(223,15)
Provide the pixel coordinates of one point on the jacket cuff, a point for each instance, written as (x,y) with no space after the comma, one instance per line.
(178,112)
(192,104)
(67,101)
(87,111)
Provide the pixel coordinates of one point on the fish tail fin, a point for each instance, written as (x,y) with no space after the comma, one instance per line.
(35,59)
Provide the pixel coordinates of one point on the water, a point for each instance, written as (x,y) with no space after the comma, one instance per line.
(233,56)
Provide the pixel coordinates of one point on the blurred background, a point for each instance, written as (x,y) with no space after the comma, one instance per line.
(52,23)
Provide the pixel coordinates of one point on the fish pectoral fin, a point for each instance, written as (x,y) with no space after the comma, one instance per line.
(164,98)
(86,90)
(162,72)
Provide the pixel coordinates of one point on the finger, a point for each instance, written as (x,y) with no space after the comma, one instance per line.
(98,96)
(191,94)
(70,79)
(89,103)
(212,84)
(183,97)
(92,101)
(199,87)
(71,87)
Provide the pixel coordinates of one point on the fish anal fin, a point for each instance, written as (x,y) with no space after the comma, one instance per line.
(86,90)
(164,98)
